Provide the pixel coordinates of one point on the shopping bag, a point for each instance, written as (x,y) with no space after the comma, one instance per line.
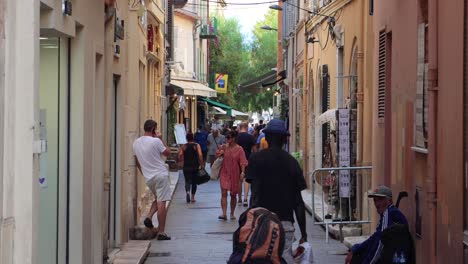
(202,176)
(302,253)
(216,168)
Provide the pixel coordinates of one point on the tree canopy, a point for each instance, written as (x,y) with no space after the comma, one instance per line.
(242,61)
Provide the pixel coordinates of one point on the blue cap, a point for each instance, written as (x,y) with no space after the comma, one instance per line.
(276,126)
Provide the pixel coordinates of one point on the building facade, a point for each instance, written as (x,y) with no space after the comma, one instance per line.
(420,120)
(338,75)
(70,191)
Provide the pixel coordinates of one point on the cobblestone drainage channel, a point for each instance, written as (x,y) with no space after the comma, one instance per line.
(159,254)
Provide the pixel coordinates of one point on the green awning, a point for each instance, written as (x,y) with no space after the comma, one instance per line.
(223,106)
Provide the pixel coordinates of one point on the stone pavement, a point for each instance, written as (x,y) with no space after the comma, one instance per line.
(199,237)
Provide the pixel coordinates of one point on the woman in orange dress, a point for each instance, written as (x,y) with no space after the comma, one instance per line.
(231,172)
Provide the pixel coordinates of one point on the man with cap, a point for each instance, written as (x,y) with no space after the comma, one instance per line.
(277,181)
(370,250)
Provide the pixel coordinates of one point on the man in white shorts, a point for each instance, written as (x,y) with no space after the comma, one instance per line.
(148,150)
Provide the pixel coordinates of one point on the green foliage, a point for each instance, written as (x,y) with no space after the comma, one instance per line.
(242,61)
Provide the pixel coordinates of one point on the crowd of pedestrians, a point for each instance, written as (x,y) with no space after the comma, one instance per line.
(254,160)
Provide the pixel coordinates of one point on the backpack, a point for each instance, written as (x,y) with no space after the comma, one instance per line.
(398,245)
(259,238)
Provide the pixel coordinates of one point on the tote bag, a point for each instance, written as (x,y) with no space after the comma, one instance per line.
(216,168)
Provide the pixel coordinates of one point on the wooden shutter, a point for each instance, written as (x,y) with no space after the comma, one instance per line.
(421,85)
(382,80)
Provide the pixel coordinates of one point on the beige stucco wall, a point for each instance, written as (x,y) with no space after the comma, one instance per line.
(356,46)
(19,38)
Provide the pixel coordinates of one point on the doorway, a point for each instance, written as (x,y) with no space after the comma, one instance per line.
(113,226)
(54,91)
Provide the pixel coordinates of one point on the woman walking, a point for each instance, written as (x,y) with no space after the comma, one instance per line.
(191,156)
(231,173)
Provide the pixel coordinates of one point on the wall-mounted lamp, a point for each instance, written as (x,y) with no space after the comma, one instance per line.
(277,92)
(311,40)
(67,7)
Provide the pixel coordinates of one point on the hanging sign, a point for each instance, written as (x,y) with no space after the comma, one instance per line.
(344,152)
(221,82)
(150,36)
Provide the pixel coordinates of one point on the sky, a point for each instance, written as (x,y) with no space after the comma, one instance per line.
(247,15)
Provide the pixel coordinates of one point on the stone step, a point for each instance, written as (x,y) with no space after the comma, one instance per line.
(351,241)
(132,252)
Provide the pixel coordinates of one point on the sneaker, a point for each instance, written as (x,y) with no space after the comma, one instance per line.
(163,236)
(148,223)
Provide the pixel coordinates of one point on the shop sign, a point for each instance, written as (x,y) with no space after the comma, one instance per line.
(344,152)
(221,82)
(150,36)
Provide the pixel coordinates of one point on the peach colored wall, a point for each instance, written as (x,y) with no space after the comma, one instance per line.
(410,169)
(450,132)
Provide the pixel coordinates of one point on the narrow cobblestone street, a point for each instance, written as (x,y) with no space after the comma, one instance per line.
(199,237)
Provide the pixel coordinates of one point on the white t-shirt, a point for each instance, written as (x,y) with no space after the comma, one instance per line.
(148,151)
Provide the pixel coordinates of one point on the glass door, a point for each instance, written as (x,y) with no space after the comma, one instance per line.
(53,173)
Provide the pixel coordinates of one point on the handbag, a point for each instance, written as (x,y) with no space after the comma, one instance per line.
(216,168)
(202,176)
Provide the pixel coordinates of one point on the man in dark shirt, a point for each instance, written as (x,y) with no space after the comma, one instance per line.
(247,142)
(277,181)
(201,137)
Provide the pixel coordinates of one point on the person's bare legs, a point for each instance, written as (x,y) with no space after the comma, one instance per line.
(239,194)
(233,204)
(153,209)
(246,193)
(162,212)
(223,202)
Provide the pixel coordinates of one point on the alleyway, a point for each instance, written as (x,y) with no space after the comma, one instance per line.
(198,237)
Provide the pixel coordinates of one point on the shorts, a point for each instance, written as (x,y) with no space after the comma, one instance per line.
(211,158)
(288,241)
(160,187)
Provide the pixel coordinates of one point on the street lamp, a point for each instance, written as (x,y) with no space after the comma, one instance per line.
(276,7)
(268,28)
(279,8)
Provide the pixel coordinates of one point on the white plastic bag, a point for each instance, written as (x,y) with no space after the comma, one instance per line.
(306,256)
(216,168)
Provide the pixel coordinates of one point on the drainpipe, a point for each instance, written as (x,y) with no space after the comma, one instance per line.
(360,105)
(195,30)
(431,183)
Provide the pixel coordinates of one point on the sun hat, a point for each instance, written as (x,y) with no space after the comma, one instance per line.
(277,127)
(381,191)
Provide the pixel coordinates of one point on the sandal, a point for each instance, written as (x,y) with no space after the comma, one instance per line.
(233,217)
(246,203)
(148,223)
(222,217)
(163,236)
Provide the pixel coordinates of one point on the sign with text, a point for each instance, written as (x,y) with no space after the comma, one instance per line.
(221,82)
(344,152)
(180,133)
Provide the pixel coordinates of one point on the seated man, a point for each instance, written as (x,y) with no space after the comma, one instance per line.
(370,250)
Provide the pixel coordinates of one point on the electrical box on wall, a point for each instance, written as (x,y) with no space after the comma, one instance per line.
(67,7)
